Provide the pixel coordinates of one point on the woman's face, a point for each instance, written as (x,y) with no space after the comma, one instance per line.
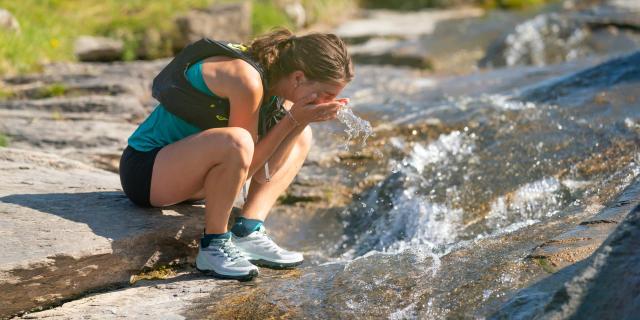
(302,87)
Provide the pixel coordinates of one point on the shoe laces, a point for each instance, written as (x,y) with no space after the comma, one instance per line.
(267,239)
(230,250)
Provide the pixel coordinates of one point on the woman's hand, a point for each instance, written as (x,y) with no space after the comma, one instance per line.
(304,112)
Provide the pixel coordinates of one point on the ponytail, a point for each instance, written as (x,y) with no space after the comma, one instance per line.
(322,57)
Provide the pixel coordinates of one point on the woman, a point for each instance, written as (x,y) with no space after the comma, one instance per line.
(182,152)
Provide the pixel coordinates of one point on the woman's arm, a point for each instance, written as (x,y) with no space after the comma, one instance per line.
(241,84)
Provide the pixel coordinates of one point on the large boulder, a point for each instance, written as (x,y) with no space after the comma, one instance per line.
(67,228)
(231,22)
(89,48)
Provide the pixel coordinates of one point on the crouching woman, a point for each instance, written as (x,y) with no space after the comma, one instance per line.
(229,113)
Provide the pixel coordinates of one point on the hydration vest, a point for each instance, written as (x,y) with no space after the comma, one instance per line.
(179,97)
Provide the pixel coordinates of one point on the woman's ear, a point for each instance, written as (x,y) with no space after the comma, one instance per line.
(298,78)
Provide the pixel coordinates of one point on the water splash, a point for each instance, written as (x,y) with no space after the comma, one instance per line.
(545,39)
(529,204)
(355,126)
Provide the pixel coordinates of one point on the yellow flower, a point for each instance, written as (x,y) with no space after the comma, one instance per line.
(54,42)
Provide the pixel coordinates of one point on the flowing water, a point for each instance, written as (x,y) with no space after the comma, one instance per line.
(468,186)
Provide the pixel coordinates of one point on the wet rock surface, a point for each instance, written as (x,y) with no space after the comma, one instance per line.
(478,196)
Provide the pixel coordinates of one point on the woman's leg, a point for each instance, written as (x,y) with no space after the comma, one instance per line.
(214,162)
(262,195)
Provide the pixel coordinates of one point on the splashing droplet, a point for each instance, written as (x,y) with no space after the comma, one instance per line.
(355,126)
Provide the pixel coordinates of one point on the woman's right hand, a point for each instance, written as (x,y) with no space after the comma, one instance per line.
(304,112)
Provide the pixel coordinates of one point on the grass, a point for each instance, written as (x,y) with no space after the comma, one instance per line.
(50,27)
(53,90)
(4,140)
(158,273)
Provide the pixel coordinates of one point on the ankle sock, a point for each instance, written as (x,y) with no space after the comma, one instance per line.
(207,237)
(244,227)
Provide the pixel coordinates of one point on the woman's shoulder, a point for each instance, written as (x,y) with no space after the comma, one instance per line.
(231,74)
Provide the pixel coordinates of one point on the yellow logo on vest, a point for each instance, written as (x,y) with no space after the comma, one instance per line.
(221,118)
(237,46)
(213,105)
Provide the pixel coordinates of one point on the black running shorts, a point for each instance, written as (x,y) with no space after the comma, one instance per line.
(136,168)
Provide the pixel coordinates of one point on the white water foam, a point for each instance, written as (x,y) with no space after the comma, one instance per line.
(534,40)
(527,205)
(453,145)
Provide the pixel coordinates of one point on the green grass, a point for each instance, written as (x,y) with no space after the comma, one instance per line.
(4,140)
(265,15)
(50,27)
(53,90)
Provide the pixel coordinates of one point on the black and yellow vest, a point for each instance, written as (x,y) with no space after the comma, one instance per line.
(172,89)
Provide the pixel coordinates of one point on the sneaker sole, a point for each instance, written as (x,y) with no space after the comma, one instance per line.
(275,265)
(252,274)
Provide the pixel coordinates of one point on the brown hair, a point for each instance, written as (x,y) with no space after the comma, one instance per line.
(322,57)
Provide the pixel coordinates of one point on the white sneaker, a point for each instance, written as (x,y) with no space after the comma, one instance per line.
(222,259)
(260,249)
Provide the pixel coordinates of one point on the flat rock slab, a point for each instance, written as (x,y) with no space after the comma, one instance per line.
(385,23)
(580,242)
(151,300)
(67,228)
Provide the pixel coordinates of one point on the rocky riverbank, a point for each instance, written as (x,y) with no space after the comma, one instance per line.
(505,193)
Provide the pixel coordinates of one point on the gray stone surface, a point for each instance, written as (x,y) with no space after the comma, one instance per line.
(67,228)
(230,22)
(90,48)
(580,242)
(149,300)
(395,38)
(384,23)
(604,286)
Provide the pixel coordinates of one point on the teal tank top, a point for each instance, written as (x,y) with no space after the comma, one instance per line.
(161,127)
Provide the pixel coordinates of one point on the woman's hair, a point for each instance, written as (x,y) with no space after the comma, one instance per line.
(322,57)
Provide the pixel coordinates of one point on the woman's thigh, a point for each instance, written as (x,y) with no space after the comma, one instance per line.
(180,168)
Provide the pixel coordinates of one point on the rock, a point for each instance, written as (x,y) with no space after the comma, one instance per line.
(151,45)
(451,40)
(604,286)
(8,21)
(89,48)
(67,229)
(296,12)
(148,300)
(92,129)
(391,52)
(384,23)
(580,242)
(229,22)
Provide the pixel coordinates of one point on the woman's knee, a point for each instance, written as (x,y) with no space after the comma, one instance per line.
(239,146)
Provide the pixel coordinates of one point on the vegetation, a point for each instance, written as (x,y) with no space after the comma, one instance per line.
(50,27)
(53,90)
(4,140)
